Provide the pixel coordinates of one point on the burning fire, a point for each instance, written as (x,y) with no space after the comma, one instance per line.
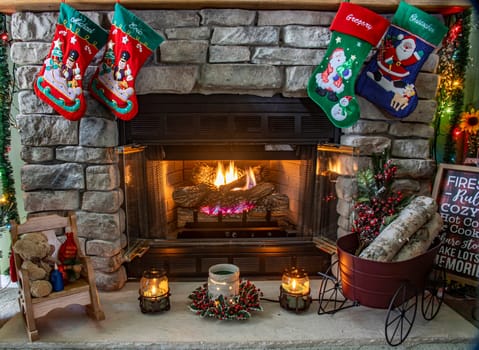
(227,176)
(231,174)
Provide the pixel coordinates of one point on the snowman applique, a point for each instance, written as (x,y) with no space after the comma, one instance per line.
(340,110)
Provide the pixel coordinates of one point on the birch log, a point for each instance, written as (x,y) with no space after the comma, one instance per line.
(386,245)
(420,241)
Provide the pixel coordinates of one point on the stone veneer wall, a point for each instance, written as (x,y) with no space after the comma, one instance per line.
(73,165)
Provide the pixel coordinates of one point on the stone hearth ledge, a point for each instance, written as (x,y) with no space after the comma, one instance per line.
(126,327)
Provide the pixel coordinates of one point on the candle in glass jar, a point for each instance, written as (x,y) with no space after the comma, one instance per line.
(154,283)
(295,281)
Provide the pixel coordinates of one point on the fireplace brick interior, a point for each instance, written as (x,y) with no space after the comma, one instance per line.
(76,166)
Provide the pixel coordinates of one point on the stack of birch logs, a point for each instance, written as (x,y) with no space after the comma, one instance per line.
(409,235)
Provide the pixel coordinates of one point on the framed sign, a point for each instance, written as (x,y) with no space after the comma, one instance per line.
(456,190)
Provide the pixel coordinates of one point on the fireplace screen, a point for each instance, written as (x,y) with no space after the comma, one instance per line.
(218,198)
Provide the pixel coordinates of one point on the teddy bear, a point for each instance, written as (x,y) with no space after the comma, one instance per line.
(36,254)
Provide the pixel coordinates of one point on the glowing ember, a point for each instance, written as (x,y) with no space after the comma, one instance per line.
(218,209)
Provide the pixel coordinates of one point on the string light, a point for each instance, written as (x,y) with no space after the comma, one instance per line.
(453,59)
(8,207)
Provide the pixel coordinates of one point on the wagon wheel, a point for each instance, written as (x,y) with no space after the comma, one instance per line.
(401,314)
(433,293)
(331,297)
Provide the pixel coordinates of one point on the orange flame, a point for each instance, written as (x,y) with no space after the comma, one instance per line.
(231,174)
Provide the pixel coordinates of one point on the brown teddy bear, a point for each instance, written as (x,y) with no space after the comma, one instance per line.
(36,252)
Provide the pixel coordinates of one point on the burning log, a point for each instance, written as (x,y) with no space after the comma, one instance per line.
(395,235)
(191,196)
(226,198)
(203,194)
(420,241)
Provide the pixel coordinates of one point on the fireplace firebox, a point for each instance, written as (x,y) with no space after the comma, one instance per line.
(226,179)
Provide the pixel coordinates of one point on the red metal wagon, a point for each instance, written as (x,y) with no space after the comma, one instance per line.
(353,281)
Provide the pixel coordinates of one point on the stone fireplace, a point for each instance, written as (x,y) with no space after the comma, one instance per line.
(269,54)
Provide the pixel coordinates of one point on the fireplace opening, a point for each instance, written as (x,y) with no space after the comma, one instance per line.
(227,179)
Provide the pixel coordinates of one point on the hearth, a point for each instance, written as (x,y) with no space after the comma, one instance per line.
(227,179)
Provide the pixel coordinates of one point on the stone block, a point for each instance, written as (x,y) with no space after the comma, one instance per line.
(99,226)
(227,17)
(367,127)
(98,132)
(239,77)
(107,264)
(194,33)
(87,155)
(368,145)
(426,85)
(35,201)
(297,80)
(223,54)
(29,103)
(306,37)
(65,176)
(29,26)
(102,201)
(411,148)
(415,168)
(111,281)
(425,112)
(404,129)
(159,19)
(103,248)
(184,51)
(178,79)
(41,130)
(245,36)
(24,53)
(282,18)
(102,177)
(276,56)
(406,186)
(30,154)
(25,75)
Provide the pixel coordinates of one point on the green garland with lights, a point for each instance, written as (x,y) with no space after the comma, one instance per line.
(453,60)
(8,206)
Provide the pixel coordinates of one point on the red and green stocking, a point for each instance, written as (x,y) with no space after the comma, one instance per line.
(130,42)
(388,80)
(76,41)
(355,30)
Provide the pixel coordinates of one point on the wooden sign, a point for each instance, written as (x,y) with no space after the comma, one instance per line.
(456,190)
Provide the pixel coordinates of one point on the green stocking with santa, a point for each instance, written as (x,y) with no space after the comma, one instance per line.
(355,30)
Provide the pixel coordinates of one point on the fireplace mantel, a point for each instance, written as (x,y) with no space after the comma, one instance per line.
(11,6)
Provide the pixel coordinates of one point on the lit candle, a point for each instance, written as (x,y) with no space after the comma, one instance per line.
(295,290)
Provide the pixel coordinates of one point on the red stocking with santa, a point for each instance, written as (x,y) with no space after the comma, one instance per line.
(388,80)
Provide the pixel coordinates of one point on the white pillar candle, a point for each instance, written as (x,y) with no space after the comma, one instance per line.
(223,280)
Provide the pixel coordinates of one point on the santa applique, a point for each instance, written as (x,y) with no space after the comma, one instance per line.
(330,81)
(393,61)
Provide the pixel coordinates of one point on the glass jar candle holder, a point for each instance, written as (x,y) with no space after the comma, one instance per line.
(295,291)
(154,291)
(223,279)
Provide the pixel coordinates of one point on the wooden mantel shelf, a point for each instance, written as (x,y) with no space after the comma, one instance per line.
(11,6)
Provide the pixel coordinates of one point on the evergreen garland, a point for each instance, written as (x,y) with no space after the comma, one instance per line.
(453,59)
(8,206)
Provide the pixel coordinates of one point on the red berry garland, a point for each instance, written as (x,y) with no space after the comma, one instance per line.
(238,308)
(377,204)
